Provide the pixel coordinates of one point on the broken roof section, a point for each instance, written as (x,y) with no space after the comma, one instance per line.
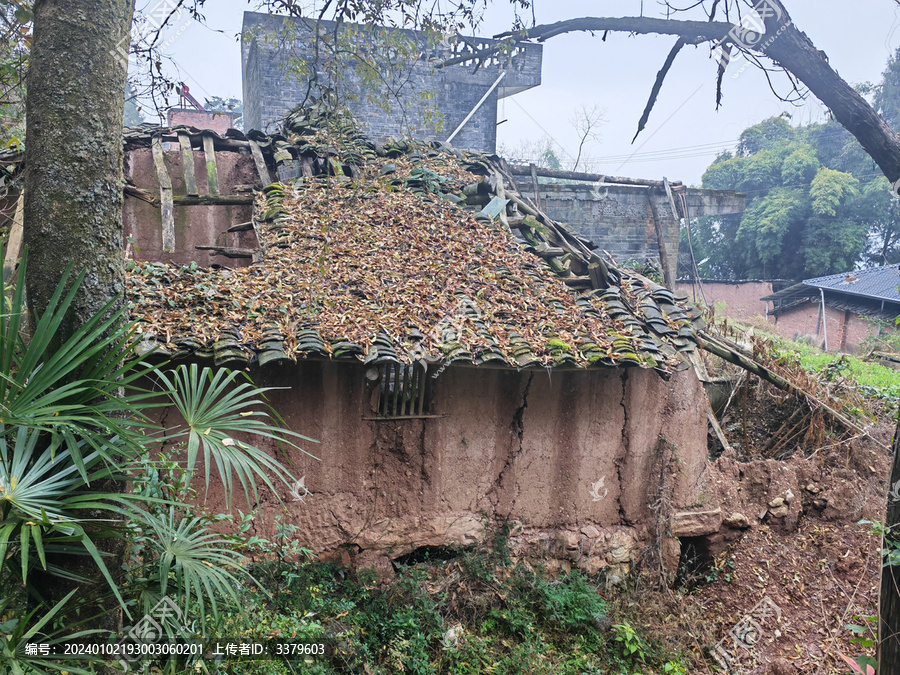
(402,252)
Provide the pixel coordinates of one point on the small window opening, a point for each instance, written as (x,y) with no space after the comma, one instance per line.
(402,391)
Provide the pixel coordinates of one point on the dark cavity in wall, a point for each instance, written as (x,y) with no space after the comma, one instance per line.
(696,565)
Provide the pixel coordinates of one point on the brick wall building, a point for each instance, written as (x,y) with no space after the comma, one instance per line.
(273,44)
(220,122)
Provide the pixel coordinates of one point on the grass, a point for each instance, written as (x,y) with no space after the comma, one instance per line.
(476,613)
(874,380)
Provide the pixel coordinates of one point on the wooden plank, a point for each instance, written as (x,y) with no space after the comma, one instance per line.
(212,174)
(668,188)
(187,161)
(213,200)
(521,170)
(260,163)
(241,227)
(167,210)
(14,245)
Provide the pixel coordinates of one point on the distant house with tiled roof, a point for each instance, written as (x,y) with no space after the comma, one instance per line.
(855,305)
(462,358)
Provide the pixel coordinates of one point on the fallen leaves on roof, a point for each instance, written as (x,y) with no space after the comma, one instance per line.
(377,263)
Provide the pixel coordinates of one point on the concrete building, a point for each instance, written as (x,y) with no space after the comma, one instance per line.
(425,102)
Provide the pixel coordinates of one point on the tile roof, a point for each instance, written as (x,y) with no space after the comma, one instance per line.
(879,282)
(403,252)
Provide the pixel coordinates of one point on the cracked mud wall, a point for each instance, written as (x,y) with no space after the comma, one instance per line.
(562,453)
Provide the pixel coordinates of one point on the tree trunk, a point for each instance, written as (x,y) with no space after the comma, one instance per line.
(73,150)
(889,603)
(73,195)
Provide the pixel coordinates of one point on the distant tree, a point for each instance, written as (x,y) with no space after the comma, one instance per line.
(803,217)
(231,105)
(586,121)
(539,152)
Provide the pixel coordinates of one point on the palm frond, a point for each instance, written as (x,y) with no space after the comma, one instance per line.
(197,564)
(216,408)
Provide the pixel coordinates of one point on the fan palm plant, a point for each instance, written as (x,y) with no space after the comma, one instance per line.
(72,427)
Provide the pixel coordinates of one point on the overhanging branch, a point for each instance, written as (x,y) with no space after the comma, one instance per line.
(787,46)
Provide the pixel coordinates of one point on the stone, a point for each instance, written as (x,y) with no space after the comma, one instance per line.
(781,667)
(590,531)
(775,503)
(815,489)
(615,574)
(779,512)
(619,550)
(789,496)
(452,636)
(695,523)
(568,540)
(737,521)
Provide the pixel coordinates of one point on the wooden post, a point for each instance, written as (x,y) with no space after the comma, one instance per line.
(889,602)
(668,276)
(212,174)
(536,186)
(167,209)
(187,160)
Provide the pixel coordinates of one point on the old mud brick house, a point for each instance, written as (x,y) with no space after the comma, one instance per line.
(462,358)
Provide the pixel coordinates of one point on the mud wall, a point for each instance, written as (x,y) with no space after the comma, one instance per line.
(577,458)
(194,225)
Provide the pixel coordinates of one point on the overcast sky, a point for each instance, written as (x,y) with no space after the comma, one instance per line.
(685,131)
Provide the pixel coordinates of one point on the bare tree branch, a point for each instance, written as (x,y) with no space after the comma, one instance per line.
(657,86)
(784,44)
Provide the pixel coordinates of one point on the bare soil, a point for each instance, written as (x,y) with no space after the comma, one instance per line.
(795,567)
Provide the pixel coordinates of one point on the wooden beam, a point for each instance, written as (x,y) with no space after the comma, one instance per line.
(187,161)
(212,173)
(536,186)
(260,163)
(520,170)
(661,243)
(671,197)
(190,200)
(229,252)
(14,245)
(213,200)
(167,212)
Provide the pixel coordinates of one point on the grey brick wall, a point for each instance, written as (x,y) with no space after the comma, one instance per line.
(617,219)
(270,42)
